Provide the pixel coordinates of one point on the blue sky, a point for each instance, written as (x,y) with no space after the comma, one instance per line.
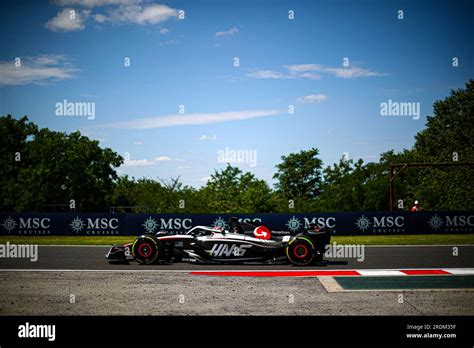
(190,62)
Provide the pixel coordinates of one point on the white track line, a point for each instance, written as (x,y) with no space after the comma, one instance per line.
(98,270)
(75,246)
(368,271)
(459,271)
(367,246)
(403,290)
(362,272)
(416,245)
(379,273)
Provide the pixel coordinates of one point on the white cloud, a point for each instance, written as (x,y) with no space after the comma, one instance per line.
(164,31)
(192,119)
(346,73)
(138,163)
(303,67)
(147,162)
(266,74)
(154,14)
(231,31)
(291,74)
(208,137)
(163,159)
(114,11)
(309,75)
(94,3)
(206,178)
(139,142)
(313,72)
(139,14)
(184,167)
(312,98)
(100,18)
(38,69)
(68,20)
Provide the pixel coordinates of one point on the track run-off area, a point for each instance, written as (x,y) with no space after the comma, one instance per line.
(391,280)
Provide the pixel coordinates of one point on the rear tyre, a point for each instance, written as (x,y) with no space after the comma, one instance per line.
(300,251)
(146,249)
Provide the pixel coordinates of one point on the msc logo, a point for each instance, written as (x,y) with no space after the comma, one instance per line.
(382,222)
(27,225)
(9,224)
(226,250)
(176,224)
(95,226)
(35,223)
(435,222)
(362,223)
(222,223)
(452,223)
(151,225)
(321,222)
(460,220)
(294,224)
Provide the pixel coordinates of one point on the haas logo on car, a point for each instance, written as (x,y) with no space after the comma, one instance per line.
(226,250)
(262,232)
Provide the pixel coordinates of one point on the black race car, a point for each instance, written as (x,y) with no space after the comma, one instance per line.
(241,243)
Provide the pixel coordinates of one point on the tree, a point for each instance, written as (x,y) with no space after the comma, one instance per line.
(343,187)
(299,175)
(56,167)
(448,136)
(377,185)
(40,167)
(449,133)
(451,128)
(232,191)
(14,135)
(156,196)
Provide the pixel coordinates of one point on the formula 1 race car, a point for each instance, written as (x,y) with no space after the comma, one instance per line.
(242,243)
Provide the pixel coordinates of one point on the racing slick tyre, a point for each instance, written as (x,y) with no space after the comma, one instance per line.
(300,251)
(146,249)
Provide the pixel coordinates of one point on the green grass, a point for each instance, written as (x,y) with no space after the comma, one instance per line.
(416,239)
(426,239)
(67,240)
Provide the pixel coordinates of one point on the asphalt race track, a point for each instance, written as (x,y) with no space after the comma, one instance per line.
(45,287)
(376,257)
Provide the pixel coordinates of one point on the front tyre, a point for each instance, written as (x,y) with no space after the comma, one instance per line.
(146,249)
(300,251)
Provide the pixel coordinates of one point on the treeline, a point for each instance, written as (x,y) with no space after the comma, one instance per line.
(41,168)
